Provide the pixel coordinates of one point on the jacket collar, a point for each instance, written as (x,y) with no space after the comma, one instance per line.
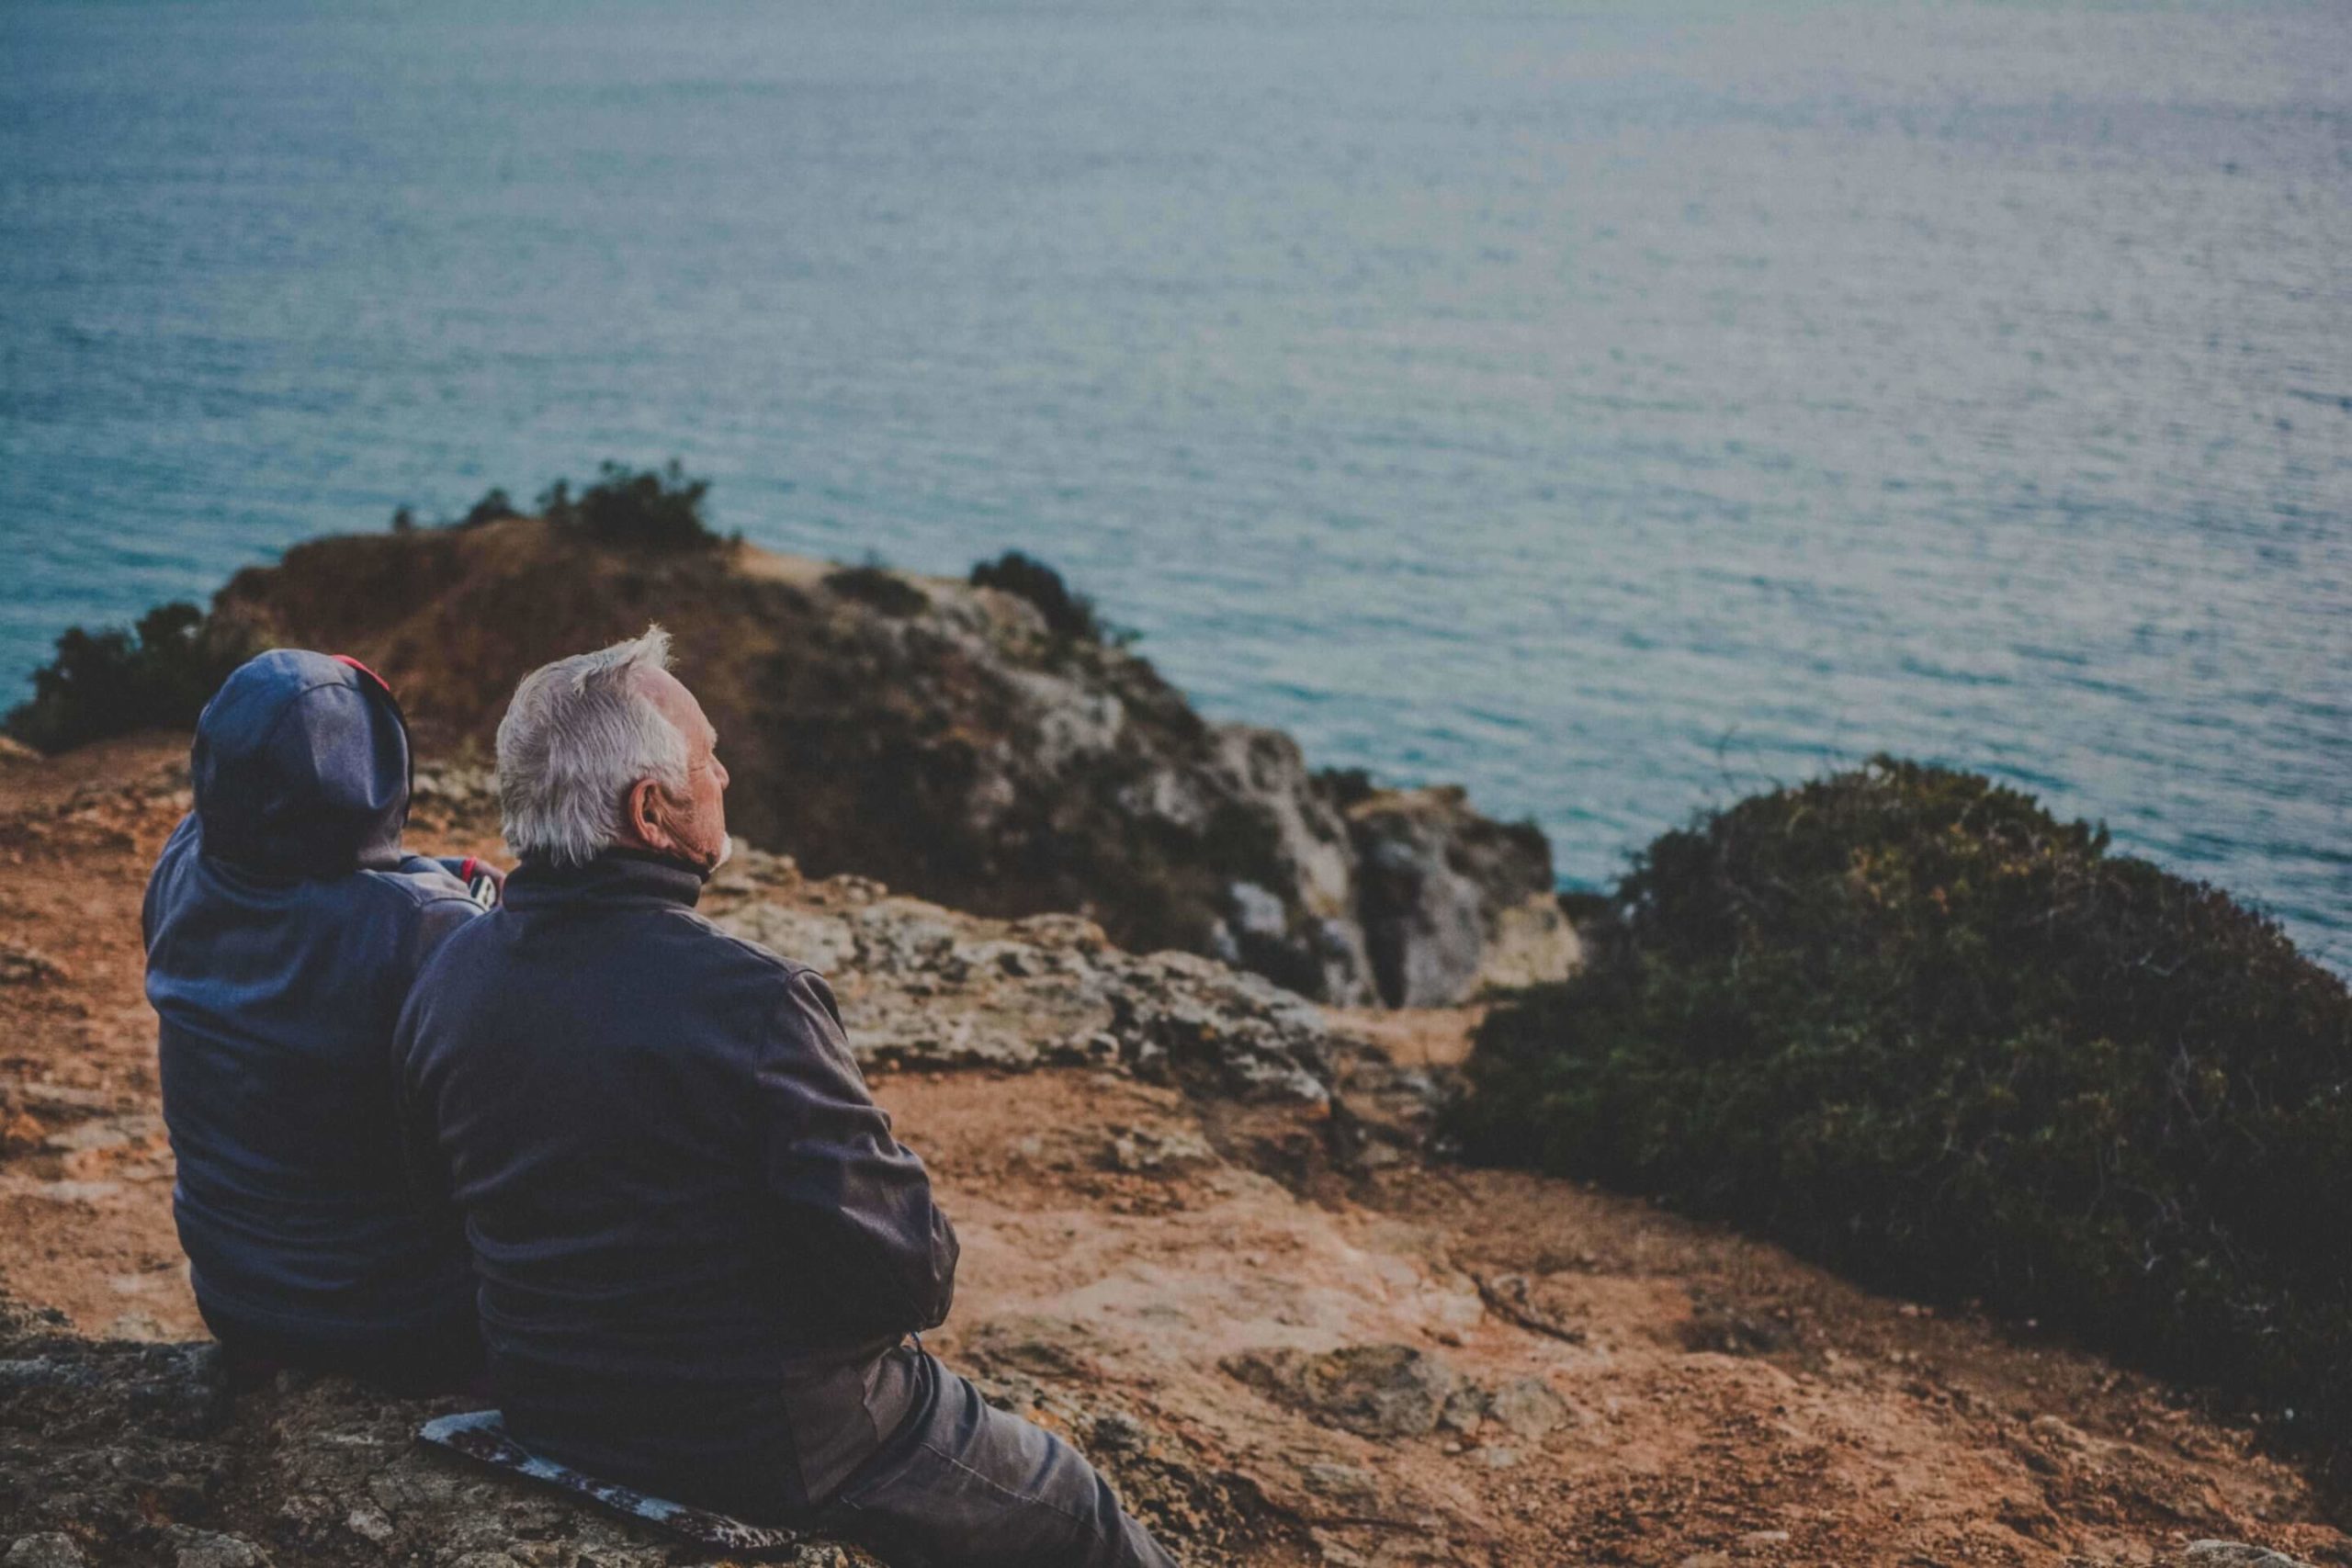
(616,876)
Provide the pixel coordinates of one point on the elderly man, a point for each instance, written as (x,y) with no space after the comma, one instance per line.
(702,1252)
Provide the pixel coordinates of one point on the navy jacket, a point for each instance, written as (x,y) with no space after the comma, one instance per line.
(695,1234)
(284,926)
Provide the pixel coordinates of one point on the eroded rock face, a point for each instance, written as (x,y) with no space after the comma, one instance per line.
(944,738)
(1452,902)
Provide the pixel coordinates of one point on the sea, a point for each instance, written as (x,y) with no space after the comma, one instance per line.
(1616,406)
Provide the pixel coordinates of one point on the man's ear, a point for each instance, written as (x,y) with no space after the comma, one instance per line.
(643,809)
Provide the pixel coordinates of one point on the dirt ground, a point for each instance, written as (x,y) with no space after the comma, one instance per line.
(1650,1390)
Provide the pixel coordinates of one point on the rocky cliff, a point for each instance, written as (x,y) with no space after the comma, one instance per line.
(957,742)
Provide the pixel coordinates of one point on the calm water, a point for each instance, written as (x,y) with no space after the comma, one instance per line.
(1613,406)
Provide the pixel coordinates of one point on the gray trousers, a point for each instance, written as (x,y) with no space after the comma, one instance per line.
(963,1485)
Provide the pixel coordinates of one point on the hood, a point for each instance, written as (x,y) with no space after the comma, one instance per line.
(301,767)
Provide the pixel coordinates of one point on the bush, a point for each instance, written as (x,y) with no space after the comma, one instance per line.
(1067,616)
(159,673)
(1907,1022)
(656,509)
(876,585)
(495,506)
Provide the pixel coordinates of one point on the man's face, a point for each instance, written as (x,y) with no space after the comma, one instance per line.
(693,828)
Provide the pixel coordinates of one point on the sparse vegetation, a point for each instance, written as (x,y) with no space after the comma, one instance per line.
(494,506)
(653,509)
(1069,615)
(1907,1021)
(160,672)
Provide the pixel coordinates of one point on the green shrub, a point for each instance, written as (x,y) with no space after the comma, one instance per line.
(161,673)
(1067,616)
(495,506)
(655,509)
(1585,909)
(1907,1022)
(876,585)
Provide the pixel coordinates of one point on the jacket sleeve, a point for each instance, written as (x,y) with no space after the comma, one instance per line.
(418,1138)
(467,870)
(850,1196)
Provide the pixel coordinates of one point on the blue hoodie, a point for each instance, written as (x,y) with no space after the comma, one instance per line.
(284,926)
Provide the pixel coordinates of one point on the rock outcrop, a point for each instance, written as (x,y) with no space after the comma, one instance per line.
(948,739)
(1452,902)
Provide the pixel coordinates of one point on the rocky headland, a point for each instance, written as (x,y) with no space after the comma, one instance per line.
(959,742)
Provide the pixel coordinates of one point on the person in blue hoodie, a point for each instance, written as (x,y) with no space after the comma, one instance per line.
(284,926)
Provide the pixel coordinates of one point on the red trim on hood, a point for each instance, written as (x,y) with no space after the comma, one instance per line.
(382,685)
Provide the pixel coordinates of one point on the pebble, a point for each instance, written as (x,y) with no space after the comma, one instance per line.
(370,1524)
(1529,1409)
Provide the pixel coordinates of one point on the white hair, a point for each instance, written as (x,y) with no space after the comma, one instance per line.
(580,734)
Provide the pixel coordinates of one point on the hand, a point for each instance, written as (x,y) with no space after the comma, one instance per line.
(484,881)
